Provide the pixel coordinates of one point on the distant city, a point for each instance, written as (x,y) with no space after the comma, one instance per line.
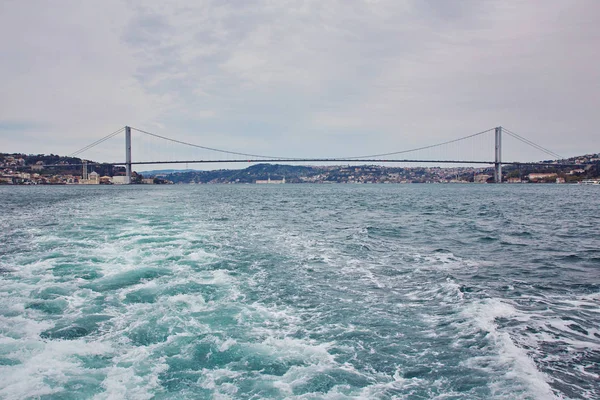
(40,169)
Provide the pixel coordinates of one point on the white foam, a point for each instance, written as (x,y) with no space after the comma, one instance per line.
(213,379)
(519,366)
(201,255)
(43,362)
(227,344)
(134,374)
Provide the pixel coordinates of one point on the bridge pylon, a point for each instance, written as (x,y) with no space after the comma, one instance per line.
(498,156)
(128,154)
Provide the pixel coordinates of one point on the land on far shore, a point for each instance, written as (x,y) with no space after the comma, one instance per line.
(19,168)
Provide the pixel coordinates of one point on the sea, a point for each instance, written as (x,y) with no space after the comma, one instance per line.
(422,291)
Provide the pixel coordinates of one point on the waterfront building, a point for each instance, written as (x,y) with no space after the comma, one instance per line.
(119,180)
(482,178)
(535,177)
(270,181)
(92,179)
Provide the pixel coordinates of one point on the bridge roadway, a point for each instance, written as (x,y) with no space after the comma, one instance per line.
(326,160)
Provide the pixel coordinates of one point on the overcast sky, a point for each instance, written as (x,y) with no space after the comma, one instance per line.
(299,78)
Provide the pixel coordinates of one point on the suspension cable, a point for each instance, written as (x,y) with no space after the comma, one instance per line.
(96,143)
(509,132)
(283,158)
(421,148)
(206,148)
(532,144)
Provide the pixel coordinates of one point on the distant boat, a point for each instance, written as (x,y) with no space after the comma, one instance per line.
(590,182)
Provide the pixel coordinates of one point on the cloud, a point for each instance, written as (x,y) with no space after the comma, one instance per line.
(308,78)
(18,126)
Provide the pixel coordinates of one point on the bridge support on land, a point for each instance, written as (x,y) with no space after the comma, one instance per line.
(498,156)
(128,154)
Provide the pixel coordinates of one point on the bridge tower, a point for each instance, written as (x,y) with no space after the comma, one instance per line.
(128,154)
(498,156)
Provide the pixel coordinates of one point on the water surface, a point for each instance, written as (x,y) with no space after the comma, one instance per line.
(300,291)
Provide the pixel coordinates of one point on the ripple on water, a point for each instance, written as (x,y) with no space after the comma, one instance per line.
(125,279)
(300,291)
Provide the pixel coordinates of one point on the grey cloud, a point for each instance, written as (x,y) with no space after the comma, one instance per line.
(19,126)
(146,29)
(350,75)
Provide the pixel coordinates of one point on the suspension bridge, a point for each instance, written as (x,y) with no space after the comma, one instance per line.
(484,150)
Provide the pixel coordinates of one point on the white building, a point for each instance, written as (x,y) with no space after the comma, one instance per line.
(270,181)
(92,179)
(119,180)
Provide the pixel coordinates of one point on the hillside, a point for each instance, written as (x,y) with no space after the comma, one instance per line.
(14,166)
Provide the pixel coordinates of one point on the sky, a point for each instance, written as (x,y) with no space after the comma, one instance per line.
(298,78)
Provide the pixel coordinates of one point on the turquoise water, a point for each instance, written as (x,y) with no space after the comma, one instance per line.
(300,291)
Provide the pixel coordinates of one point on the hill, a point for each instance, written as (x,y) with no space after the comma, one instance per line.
(55,169)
